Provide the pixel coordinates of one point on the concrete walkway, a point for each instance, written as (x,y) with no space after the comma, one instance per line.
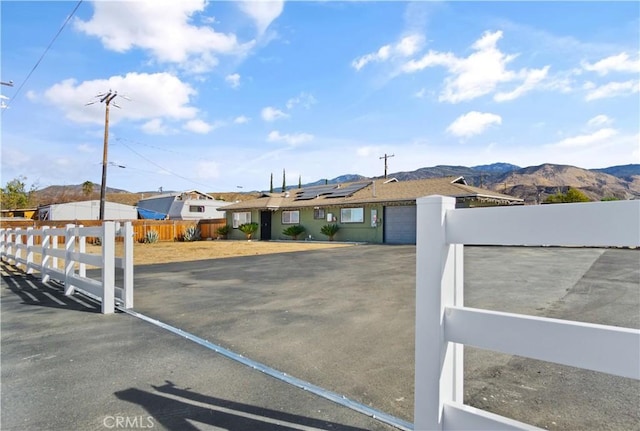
(341,319)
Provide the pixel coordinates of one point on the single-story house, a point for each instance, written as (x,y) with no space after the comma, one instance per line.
(375,211)
(189,205)
(87,210)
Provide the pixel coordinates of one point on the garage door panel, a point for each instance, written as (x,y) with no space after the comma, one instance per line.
(400,225)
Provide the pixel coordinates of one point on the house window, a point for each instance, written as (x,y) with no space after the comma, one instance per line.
(290,217)
(241,218)
(318,214)
(196,208)
(352,215)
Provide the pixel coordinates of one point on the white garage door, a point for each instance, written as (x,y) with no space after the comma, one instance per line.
(400,225)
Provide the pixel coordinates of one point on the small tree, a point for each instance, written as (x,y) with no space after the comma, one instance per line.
(572,195)
(299,181)
(248,229)
(330,230)
(284,181)
(15,194)
(294,231)
(271,184)
(87,188)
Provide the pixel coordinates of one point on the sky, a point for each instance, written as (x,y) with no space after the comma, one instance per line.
(219,95)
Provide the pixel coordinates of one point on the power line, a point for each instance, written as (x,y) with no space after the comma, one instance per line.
(35,66)
(161,167)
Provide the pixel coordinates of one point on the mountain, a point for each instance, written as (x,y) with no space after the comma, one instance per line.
(535,183)
(496,168)
(347,178)
(623,171)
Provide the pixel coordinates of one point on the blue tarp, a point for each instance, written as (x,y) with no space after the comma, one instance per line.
(150,214)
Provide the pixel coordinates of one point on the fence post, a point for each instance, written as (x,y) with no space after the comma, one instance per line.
(54,244)
(82,248)
(69,267)
(46,257)
(108,266)
(30,250)
(17,242)
(3,239)
(128,264)
(439,372)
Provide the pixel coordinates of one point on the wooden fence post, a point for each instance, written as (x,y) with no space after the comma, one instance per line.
(438,364)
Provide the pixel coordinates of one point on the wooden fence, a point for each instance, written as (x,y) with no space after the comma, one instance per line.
(168,230)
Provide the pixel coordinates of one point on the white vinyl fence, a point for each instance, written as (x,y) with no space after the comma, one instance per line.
(19,247)
(444,325)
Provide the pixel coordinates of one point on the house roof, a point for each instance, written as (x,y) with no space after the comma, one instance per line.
(188,193)
(370,191)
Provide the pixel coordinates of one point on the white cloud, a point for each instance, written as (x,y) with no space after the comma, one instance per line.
(473,123)
(614,63)
(165,29)
(597,137)
(611,89)
(421,93)
(86,148)
(367,151)
(599,120)
(233,80)
(531,79)
(207,170)
(291,139)
(406,47)
(303,99)
(272,114)
(241,119)
(158,95)
(202,127)
(480,73)
(263,12)
(155,126)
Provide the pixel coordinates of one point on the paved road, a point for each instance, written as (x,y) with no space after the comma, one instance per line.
(343,319)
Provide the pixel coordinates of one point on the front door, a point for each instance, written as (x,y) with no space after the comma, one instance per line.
(265,225)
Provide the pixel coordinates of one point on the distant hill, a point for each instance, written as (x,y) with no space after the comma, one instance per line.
(535,183)
(497,168)
(347,178)
(623,171)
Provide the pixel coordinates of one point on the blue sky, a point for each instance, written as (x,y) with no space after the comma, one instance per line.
(222,94)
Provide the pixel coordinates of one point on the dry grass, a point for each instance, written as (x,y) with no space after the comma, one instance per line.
(165,252)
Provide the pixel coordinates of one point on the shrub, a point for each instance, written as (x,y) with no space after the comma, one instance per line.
(330,230)
(572,195)
(248,229)
(223,231)
(192,233)
(151,237)
(294,231)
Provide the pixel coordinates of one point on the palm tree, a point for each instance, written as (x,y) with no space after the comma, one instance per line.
(87,188)
(248,229)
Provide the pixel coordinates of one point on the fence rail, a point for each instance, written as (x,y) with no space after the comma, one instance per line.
(168,230)
(73,274)
(444,325)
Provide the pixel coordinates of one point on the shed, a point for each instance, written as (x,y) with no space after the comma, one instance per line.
(87,210)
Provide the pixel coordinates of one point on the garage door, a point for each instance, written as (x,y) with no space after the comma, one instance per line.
(400,225)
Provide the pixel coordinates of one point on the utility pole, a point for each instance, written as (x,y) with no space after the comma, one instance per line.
(105,98)
(8,84)
(385,157)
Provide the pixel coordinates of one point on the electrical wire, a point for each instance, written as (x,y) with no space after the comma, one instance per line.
(35,66)
(161,167)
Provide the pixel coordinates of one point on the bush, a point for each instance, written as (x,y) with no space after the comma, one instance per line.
(294,231)
(248,229)
(330,230)
(151,237)
(223,230)
(572,195)
(191,234)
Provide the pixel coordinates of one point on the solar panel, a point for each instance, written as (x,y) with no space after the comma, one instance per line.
(348,190)
(315,191)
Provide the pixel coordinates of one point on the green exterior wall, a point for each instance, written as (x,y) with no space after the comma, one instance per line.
(349,232)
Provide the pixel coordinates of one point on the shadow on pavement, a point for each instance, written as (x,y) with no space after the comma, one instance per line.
(178,409)
(33,291)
